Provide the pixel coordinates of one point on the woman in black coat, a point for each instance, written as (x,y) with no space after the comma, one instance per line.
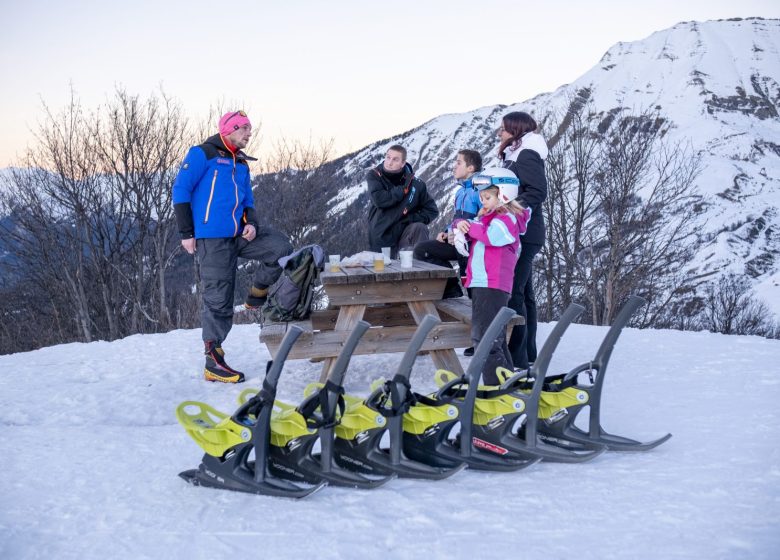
(523,151)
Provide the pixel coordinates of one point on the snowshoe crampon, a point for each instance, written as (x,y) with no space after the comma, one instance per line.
(230,441)
(295,430)
(430,423)
(559,429)
(359,435)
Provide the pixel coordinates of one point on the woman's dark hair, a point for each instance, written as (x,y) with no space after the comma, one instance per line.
(518,124)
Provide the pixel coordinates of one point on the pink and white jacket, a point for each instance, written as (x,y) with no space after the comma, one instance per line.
(494,248)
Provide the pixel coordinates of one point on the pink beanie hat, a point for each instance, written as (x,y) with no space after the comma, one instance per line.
(232,121)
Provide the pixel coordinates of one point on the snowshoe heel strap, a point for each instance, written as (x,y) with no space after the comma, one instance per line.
(325,419)
(390,392)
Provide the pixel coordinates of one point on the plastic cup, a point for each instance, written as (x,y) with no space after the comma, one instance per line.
(334,261)
(379,262)
(386,253)
(406,259)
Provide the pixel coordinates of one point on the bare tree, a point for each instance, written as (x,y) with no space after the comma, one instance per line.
(89,219)
(729,308)
(292,187)
(571,200)
(138,147)
(49,204)
(643,227)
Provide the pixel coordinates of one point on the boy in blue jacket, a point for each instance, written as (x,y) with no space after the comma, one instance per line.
(467,205)
(212,198)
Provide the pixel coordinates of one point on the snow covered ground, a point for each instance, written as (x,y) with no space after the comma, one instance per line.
(90,452)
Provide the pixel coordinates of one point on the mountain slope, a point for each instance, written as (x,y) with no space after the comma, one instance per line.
(717,85)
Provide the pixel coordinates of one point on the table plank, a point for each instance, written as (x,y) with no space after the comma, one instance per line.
(377,340)
(429,270)
(386,292)
(390,315)
(392,272)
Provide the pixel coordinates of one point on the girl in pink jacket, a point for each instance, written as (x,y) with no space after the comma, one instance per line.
(494,238)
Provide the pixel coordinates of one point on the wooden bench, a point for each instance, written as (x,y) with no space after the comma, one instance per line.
(319,339)
(460,310)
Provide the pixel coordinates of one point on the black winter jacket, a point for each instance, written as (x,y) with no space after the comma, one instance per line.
(393,207)
(529,168)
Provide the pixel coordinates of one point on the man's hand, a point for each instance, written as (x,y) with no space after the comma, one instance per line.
(189,245)
(441,237)
(249,232)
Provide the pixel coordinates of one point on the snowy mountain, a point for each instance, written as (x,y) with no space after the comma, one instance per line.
(90,452)
(718,85)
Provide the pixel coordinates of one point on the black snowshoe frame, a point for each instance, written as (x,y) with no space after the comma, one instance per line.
(436,447)
(564,433)
(234,470)
(364,453)
(526,442)
(322,410)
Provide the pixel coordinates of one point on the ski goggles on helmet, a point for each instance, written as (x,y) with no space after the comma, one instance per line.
(482,182)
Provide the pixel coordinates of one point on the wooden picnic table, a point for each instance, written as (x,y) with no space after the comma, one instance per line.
(394,301)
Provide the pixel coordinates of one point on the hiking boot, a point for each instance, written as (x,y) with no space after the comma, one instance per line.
(469,351)
(256,297)
(216,369)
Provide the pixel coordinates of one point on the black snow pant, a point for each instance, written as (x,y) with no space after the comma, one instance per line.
(218,259)
(522,343)
(413,234)
(485,305)
(441,253)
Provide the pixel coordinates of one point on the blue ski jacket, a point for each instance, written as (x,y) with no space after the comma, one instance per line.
(467,202)
(212,193)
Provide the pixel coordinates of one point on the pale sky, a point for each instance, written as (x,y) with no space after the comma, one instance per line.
(348,70)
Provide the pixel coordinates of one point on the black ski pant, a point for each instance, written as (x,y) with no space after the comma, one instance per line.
(485,305)
(413,234)
(522,343)
(441,253)
(218,258)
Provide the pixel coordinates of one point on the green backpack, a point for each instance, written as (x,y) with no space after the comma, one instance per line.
(291,296)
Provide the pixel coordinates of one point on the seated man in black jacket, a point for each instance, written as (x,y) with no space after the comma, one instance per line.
(401,208)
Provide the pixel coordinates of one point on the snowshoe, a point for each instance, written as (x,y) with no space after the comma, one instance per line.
(429,424)
(559,429)
(230,440)
(366,421)
(295,430)
(519,399)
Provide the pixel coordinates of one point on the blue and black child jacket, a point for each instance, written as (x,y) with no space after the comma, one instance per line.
(212,193)
(467,201)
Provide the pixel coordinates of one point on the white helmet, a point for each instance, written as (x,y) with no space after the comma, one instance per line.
(507,182)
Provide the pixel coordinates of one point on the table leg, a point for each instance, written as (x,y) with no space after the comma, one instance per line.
(442,359)
(349,315)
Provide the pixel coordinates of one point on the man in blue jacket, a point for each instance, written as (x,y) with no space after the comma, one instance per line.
(212,198)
